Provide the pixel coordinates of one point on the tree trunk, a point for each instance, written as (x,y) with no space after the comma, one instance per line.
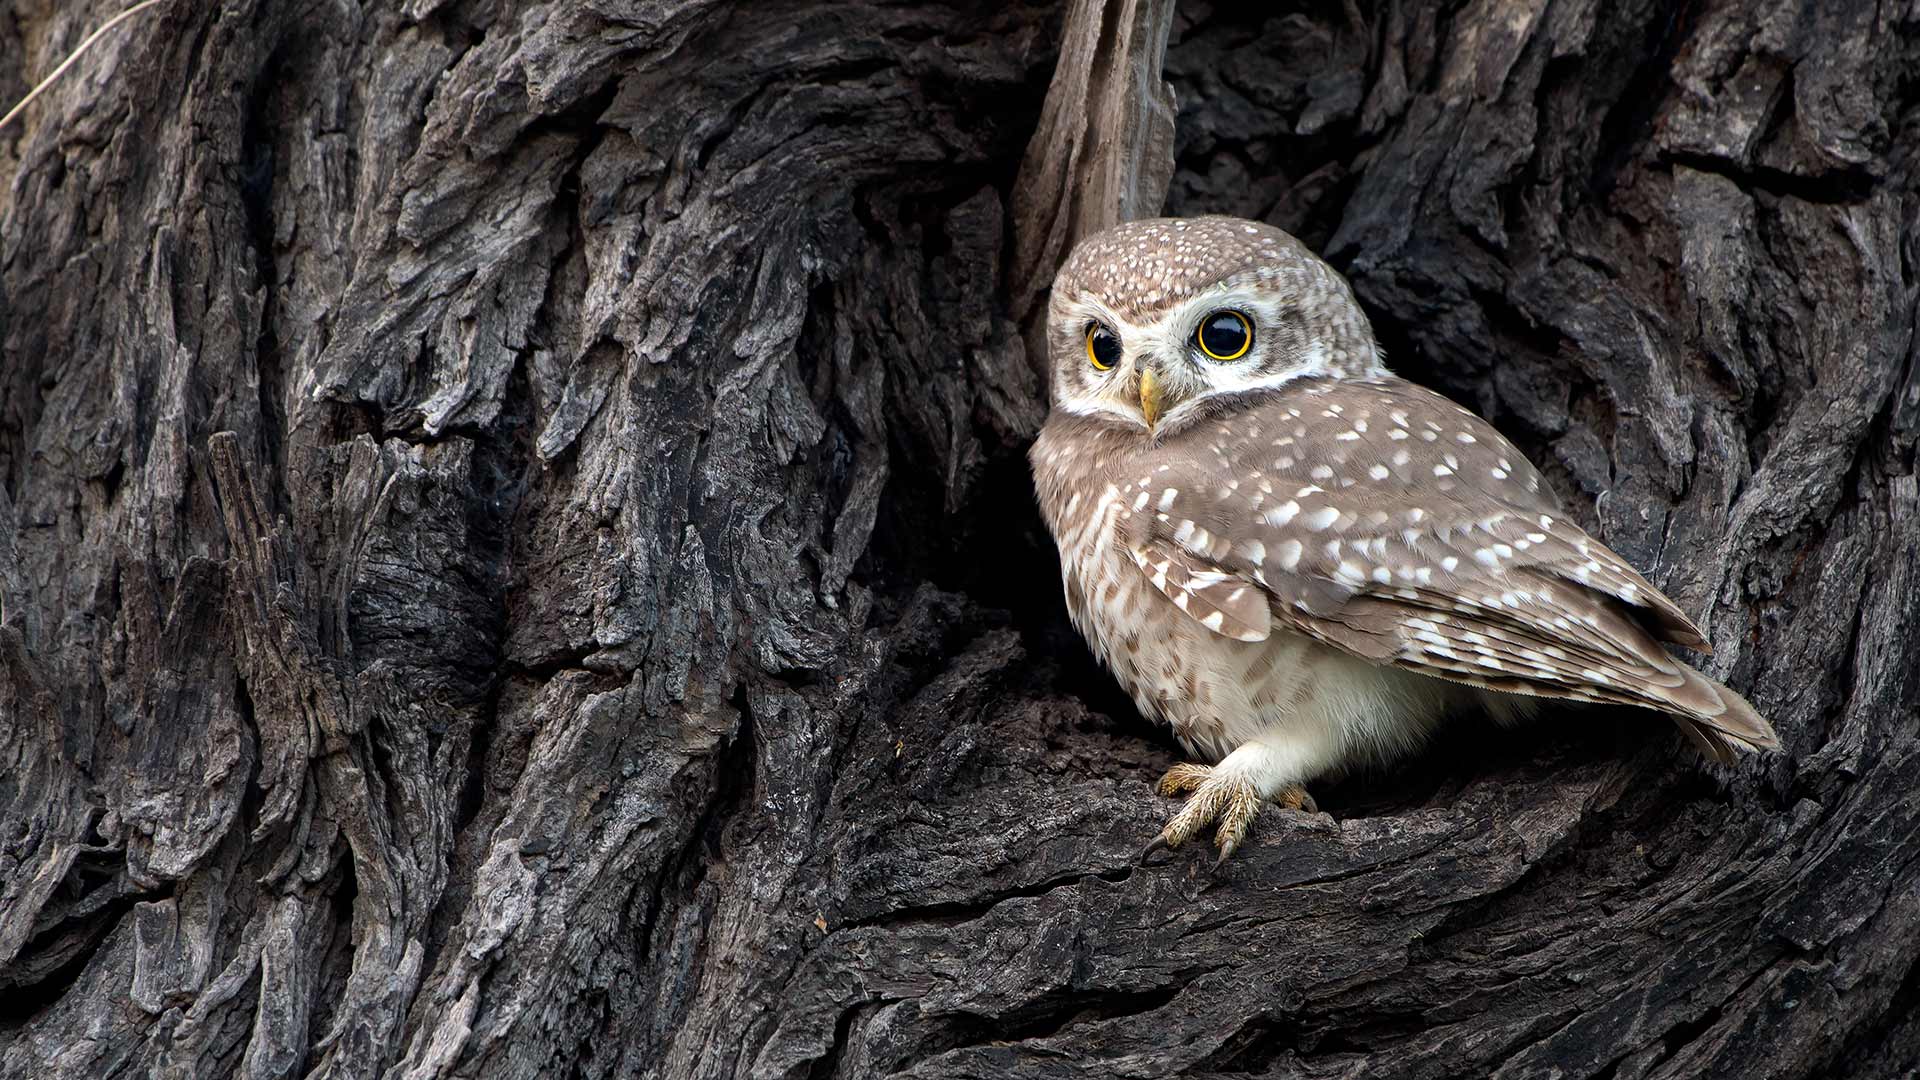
(516,556)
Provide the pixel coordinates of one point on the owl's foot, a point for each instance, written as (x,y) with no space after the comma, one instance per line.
(1218,795)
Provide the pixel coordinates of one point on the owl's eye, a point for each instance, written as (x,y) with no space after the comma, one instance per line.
(1225,335)
(1103,349)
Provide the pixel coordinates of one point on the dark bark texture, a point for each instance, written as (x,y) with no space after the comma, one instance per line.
(516,556)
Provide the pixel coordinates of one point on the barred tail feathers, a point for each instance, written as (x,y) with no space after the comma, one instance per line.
(1718,720)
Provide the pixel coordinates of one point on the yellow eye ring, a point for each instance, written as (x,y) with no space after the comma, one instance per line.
(1103,348)
(1224,335)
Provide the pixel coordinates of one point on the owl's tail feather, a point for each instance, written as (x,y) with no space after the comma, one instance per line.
(1718,720)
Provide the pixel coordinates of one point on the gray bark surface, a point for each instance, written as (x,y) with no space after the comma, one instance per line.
(516,557)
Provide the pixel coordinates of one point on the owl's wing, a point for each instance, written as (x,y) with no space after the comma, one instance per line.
(1225,602)
(1383,520)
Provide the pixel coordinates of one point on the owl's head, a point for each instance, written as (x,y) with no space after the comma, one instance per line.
(1153,322)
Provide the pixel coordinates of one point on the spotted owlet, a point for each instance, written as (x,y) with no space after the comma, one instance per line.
(1299,561)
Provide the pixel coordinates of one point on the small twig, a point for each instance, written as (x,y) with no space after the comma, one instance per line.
(72,56)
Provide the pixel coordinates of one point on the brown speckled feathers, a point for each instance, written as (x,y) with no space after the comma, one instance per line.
(1381,519)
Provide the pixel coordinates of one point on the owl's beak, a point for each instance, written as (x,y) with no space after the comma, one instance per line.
(1149,397)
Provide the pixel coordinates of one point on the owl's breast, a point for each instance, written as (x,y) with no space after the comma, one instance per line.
(1128,624)
(1215,692)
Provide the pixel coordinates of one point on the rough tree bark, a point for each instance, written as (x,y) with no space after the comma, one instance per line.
(516,557)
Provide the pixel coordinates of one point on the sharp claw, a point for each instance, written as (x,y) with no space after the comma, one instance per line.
(1227,799)
(1153,845)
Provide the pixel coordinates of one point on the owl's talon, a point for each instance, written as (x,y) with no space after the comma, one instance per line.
(1218,796)
(1182,778)
(1153,845)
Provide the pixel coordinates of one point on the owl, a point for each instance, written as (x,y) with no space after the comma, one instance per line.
(1298,561)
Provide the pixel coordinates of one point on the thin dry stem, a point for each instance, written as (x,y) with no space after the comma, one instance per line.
(72,56)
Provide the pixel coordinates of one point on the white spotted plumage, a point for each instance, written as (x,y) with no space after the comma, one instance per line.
(1299,560)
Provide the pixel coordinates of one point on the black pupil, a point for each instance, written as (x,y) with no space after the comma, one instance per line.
(1224,335)
(1106,348)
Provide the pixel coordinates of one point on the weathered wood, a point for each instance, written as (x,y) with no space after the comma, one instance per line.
(516,558)
(1102,152)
